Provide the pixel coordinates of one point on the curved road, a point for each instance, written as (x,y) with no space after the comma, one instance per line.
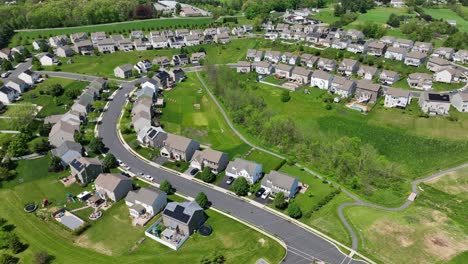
(302,245)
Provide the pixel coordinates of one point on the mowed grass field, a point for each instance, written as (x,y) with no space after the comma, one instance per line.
(448,14)
(114,28)
(189,111)
(110,239)
(268,161)
(432,230)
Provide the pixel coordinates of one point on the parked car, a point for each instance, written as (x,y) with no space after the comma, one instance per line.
(6,74)
(265,195)
(230,180)
(148,177)
(259,192)
(124,173)
(194,171)
(141,174)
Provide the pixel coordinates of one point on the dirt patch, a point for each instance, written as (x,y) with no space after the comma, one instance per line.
(394,230)
(83,241)
(405,241)
(444,246)
(452,183)
(204,100)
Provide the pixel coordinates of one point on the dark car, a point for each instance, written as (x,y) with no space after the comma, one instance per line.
(194,171)
(125,174)
(230,180)
(259,192)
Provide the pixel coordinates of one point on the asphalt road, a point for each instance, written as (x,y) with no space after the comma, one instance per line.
(302,245)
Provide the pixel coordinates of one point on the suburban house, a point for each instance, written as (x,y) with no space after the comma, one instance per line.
(106,45)
(177,75)
(7,95)
(273,56)
(449,75)
(367,92)
(145,203)
(283,70)
(460,101)
(435,64)
(84,47)
(309,60)
(434,103)
(254,55)
(97,36)
(424,47)
(406,44)
(348,67)
(222,38)
(180,59)
(367,72)
(196,57)
(289,58)
(183,218)
(326,64)
(163,78)
(143,66)
(192,40)
(243,67)
(159,42)
(321,79)
(152,137)
(376,48)
(354,34)
(213,159)
(397,98)
(397,3)
(136,34)
(38,44)
(64,51)
(395,53)
(85,170)
(29,77)
(419,80)
(61,132)
(47,59)
(77,37)
(58,41)
(461,56)
(340,44)
(151,84)
(389,77)
(250,170)
(179,148)
(387,40)
(263,67)
(342,86)
(443,52)
(68,151)
(125,44)
(162,61)
(17,84)
(141,44)
(276,182)
(358,47)
(301,75)
(112,186)
(415,58)
(123,71)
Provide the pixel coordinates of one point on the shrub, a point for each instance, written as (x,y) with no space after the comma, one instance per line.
(207,176)
(279,201)
(240,186)
(294,211)
(201,199)
(42,258)
(166,187)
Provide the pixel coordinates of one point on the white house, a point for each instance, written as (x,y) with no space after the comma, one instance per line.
(342,86)
(395,53)
(389,77)
(29,77)
(321,79)
(397,98)
(146,200)
(47,59)
(250,170)
(434,103)
(263,67)
(7,95)
(419,80)
(460,101)
(448,75)
(276,182)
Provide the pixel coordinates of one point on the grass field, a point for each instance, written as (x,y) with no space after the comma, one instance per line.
(326,15)
(190,112)
(432,230)
(448,14)
(51,106)
(114,29)
(268,161)
(110,238)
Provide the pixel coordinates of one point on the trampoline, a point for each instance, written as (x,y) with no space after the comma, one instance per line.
(29,208)
(205,230)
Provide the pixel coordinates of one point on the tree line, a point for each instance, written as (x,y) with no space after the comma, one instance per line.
(348,159)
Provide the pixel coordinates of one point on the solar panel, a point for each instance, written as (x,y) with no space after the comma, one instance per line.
(152,133)
(178,214)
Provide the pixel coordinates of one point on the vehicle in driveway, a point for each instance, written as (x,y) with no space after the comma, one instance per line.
(259,192)
(194,171)
(265,195)
(6,74)
(230,180)
(148,177)
(124,173)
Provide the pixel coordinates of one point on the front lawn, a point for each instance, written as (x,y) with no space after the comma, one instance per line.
(180,166)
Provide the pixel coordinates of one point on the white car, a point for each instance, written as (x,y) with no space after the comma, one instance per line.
(148,177)
(265,194)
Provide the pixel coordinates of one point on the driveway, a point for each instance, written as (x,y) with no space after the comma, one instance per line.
(160,160)
(223,183)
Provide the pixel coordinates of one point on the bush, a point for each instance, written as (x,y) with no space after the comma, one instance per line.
(294,211)
(166,187)
(279,201)
(240,186)
(207,176)
(8,259)
(42,258)
(285,96)
(109,162)
(201,199)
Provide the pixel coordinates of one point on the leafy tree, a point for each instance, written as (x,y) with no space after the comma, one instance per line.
(15,244)
(457,41)
(207,176)
(55,89)
(166,187)
(22,114)
(150,74)
(285,96)
(73,93)
(8,259)
(44,129)
(55,164)
(109,162)
(96,145)
(41,146)
(279,201)
(6,65)
(18,146)
(4,175)
(18,58)
(240,186)
(201,199)
(294,211)
(178,8)
(135,73)
(373,30)
(42,257)
(44,47)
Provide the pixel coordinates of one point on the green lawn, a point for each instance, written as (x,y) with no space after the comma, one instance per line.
(179,166)
(51,106)
(115,29)
(448,14)
(190,112)
(268,161)
(326,15)
(109,239)
(272,79)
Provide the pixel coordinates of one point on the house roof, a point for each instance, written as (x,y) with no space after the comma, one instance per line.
(368,85)
(192,37)
(83,43)
(98,34)
(7,90)
(348,63)
(435,97)
(17,81)
(243,64)
(110,181)
(397,92)
(321,75)
(283,67)
(177,142)
(368,69)
(396,50)
(262,64)
(81,163)
(391,74)
(67,146)
(439,61)
(404,41)
(301,71)
(125,67)
(106,41)
(239,164)
(376,45)
(144,195)
(182,212)
(419,76)
(463,96)
(279,179)
(208,154)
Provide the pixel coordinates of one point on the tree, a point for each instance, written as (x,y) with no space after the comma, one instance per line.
(279,201)
(285,96)
(15,244)
(240,186)
(18,146)
(201,199)
(8,259)
(150,74)
(73,93)
(178,8)
(41,146)
(22,114)
(294,211)
(166,187)
(109,162)
(98,105)
(55,164)
(4,175)
(42,257)
(96,145)
(207,176)
(135,73)
(6,65)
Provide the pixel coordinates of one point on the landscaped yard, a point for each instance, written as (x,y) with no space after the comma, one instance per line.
(110,238)
(190,112)
(268,161)
(272,79)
